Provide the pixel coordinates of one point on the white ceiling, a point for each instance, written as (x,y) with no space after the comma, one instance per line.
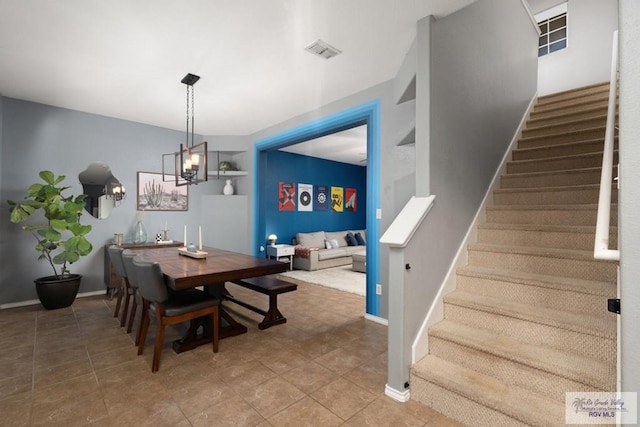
(348,146)
(125,59)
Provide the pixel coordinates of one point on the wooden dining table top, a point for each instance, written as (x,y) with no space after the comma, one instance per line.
(220,266)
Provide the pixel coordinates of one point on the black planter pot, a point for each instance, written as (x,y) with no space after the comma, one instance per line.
(58,293)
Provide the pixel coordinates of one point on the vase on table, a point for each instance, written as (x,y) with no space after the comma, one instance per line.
(139,232)
(228,188)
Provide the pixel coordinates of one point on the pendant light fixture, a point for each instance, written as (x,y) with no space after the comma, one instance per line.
(191,160)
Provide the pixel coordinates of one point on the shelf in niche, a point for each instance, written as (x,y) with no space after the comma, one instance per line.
(409,137)
(222,155)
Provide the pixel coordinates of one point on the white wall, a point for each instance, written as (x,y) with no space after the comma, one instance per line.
(587,57)
(629,202)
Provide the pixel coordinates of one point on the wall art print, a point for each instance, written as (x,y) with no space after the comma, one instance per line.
(286,196)
(154,194)
(337,199)
(305,197)
(322,198)
(350,200)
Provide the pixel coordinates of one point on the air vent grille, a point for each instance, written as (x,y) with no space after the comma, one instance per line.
(323,49)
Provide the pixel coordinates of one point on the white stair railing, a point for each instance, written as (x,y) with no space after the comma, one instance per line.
(601,248)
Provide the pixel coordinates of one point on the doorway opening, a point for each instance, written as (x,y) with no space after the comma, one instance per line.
(366,114)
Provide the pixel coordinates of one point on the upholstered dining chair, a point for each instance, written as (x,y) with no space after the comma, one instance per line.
(127,261)
(169,308)
(115,256)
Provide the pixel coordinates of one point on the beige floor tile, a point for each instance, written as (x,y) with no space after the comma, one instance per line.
(382,412)
(340,361)
(343,398)
(306,412)
(247,376)
(196,396)
(16,409)
(61,372)
(273,396)
(16,385)
(310,377)
(235,412)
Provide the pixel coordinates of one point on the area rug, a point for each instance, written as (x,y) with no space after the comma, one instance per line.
(341,278)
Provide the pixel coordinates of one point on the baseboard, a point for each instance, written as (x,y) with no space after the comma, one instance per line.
(35,301)
(376,319)
(420,347)
(400,396)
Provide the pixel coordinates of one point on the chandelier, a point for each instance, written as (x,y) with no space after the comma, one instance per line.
(191,160)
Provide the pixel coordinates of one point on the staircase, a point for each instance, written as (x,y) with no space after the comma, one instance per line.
(528,320)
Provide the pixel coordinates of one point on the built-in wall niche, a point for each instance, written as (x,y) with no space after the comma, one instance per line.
(103,190)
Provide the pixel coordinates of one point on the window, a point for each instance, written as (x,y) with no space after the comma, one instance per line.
(553,30)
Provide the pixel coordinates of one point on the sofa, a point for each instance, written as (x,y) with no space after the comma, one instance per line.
(324,249)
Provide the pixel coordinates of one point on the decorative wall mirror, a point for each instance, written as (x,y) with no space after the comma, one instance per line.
(103,190)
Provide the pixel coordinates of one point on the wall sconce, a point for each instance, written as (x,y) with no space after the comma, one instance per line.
(272,239)
(114,191)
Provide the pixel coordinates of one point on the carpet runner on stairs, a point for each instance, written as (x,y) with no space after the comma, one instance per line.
(528,320)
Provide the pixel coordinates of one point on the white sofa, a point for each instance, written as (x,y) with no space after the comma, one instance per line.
(312,252)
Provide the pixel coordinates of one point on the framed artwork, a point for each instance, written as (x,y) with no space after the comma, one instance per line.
(286,196)
(337,199)
(154,194)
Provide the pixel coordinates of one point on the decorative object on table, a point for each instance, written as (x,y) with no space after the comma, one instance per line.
(228,188)
(225,166)
(156,195)
(190,249)
(159,238)
(190,162)
(139,232)
(61,239)
(118,239)
(272,239)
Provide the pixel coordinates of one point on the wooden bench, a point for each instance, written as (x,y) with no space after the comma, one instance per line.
(270,286)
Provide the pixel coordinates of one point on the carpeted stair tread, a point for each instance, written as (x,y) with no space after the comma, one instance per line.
(588,110)
(558,163)
(562,137)
(548,189)
(582,323)
(575,93)
(550,129)
(565,214)
(581,229)
(593,287)
(569,148)
(552,173)
(566,365)
(532,250)
(520,404)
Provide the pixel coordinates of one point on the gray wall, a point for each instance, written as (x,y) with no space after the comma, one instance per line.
(36,137)
(587,58)
(481,83)
(629,202)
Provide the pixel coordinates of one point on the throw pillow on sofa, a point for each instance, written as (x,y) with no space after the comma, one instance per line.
(351,239)
(360,239)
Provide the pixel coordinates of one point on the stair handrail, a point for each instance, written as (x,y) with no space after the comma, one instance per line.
(601,246)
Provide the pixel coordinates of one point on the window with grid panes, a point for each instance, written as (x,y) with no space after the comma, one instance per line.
(553,34)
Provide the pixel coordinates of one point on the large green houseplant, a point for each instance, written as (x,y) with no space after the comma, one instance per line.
(54,220)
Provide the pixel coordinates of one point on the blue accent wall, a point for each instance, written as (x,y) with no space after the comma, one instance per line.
(289,167)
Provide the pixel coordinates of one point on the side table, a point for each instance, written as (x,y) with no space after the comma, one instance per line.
(282,251)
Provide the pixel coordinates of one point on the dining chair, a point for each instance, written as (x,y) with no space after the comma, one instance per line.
(127,261)
(115,256)
(169,307)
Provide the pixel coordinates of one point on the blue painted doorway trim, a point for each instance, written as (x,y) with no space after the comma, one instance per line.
(369,114)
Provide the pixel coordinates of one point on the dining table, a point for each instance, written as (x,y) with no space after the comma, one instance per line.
(212,270)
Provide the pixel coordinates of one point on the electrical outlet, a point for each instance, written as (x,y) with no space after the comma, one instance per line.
(378,213)
(378,289)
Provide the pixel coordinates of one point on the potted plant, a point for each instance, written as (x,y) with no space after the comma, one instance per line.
(54,221)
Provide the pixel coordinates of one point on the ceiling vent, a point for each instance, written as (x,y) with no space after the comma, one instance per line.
(323,49)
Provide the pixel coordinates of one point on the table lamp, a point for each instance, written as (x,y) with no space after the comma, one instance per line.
(272,239)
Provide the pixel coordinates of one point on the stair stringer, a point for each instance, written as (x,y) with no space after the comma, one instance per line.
(420,346)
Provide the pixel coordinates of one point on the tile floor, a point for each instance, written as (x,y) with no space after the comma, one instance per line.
(325,367)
